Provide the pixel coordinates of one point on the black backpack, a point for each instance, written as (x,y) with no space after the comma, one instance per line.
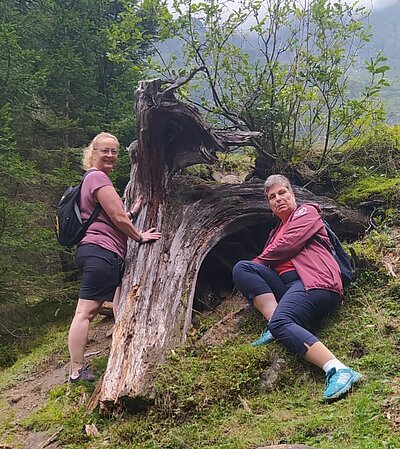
(70,228)
(340,255)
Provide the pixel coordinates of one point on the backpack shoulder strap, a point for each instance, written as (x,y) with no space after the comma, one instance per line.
(97,208)
(320,240)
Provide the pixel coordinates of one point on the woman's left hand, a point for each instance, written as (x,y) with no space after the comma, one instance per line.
(150,235)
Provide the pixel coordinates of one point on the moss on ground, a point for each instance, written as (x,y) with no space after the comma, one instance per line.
(372,188)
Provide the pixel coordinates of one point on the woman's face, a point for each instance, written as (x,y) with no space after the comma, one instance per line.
(105,154)
(281,201)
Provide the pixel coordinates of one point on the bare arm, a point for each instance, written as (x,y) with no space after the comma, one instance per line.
(111,203)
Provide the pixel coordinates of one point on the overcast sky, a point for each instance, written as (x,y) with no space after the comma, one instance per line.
(378,3)
(374,3)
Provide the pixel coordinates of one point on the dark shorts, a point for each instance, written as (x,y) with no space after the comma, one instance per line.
(101,272)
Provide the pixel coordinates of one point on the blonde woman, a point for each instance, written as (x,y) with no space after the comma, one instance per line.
(100,254)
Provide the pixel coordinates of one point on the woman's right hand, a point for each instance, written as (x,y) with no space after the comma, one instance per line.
(150,236)
(137,206)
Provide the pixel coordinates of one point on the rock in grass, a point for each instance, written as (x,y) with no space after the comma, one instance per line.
(270,376)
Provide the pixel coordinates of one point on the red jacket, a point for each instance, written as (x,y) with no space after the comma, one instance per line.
(314,264)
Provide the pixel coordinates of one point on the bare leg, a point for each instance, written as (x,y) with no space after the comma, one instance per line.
(86,310)
(318,354)
(116,299)
(266,304)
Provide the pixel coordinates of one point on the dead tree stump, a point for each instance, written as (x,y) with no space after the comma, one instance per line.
(159,284)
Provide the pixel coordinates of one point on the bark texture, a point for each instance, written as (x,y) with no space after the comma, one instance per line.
(218,221)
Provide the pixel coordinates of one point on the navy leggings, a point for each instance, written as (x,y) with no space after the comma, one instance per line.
(298,310)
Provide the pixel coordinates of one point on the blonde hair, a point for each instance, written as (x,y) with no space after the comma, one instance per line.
(274,180)
(87,160)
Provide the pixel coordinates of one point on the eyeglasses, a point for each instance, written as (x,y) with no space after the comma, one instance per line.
(111,151)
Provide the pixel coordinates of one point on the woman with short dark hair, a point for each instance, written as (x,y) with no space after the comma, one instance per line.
(295,283)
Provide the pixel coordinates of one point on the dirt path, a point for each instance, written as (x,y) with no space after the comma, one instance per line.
(32,393)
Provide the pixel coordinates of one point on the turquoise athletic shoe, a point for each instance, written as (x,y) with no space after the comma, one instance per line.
(266,338)
(339,382)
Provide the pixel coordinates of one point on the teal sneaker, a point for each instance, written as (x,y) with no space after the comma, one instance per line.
(266,338)
(339,382)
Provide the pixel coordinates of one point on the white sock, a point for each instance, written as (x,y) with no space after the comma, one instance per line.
(333,363)
(75,376)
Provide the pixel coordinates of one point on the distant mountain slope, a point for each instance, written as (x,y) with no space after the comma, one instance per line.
(386,29)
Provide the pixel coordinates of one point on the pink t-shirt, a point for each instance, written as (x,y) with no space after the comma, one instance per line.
(102,231)
(286,266)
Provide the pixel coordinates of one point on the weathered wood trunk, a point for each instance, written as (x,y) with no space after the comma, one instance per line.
(159,284)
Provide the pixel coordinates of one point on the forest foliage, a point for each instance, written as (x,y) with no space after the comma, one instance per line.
(69,70)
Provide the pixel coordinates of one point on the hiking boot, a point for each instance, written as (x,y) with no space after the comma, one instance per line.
(84,374)
(266,337)
(339,382)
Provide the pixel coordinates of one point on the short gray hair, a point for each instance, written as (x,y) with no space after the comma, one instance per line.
(274,180)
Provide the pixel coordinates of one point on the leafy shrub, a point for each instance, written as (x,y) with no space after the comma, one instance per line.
(379,150)
(237,163)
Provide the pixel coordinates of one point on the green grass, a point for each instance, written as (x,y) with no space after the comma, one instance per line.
(28,326)
(209,397)
(53,344)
